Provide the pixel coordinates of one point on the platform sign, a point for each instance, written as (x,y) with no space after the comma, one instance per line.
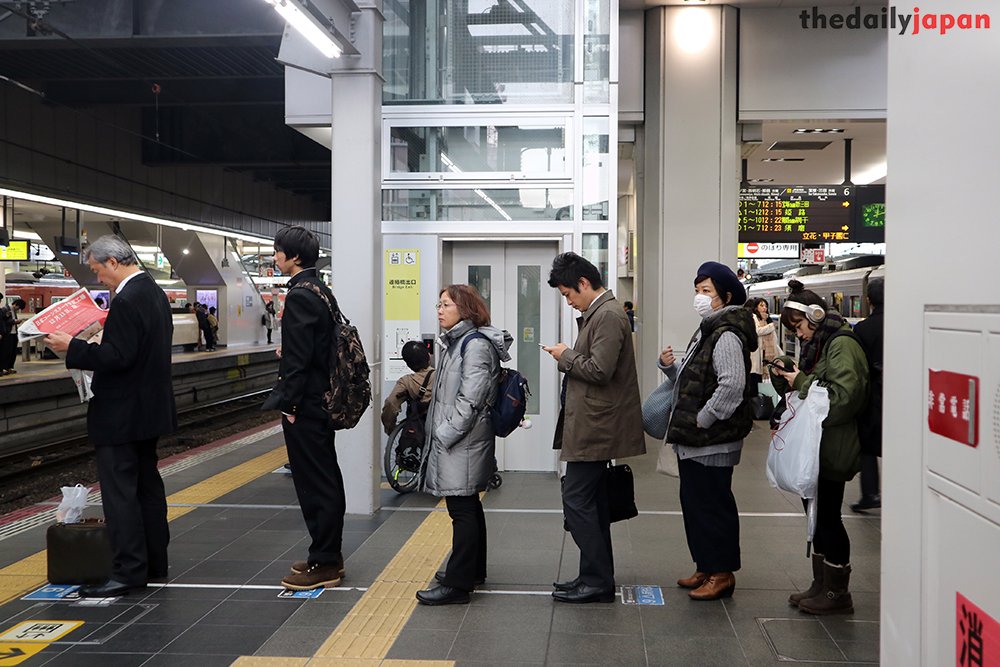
(755,250)
(977,635)
(816,213)
(813,255)
(39,631)
(953,406)
(15,251)
(402,307)
(54,592)
(647,595)
(298,595)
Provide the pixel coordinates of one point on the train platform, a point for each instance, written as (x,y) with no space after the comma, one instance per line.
(236,528)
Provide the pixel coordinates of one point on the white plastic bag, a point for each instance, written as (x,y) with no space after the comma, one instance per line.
(793,457)
(74,501)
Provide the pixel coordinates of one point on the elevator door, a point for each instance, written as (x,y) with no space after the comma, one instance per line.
(512,278)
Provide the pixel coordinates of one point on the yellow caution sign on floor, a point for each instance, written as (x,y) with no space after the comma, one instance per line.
(39,631)
(15,654)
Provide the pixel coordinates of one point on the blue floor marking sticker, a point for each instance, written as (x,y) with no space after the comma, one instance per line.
(314,593)
(651,595)
(54,592)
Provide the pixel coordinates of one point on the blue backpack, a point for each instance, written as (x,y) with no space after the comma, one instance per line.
(511,400)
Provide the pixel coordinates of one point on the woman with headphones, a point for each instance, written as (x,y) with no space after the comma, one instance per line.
(831,356)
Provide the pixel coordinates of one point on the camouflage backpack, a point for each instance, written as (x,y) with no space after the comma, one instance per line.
(350,391)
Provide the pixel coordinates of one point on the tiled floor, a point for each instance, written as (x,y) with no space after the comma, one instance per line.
(227,559)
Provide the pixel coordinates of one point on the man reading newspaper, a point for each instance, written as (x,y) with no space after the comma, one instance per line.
(132,406)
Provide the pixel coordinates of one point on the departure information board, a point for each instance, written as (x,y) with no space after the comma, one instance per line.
(804,213)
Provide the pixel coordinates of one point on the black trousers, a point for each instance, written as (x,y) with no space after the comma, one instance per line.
(585,506)
(8,351)
(269,336)
(711,518)
(831,538)
(135,508)
(468,542)
(319,485)
(869,476)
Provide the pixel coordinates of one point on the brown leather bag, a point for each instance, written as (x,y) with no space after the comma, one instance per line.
(78,553)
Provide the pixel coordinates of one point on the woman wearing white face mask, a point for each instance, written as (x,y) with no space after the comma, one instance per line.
(711,416)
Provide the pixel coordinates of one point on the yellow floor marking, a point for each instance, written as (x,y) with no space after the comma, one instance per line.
(29,573)
(39,631)
(262,661)
(15,654)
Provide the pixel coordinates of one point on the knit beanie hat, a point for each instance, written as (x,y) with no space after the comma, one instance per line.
(725,281)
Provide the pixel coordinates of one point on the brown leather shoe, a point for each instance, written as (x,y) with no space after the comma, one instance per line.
(315,576)
(718,585)
(694,581)
(300,566)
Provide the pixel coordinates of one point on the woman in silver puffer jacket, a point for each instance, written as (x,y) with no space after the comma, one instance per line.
(459,453)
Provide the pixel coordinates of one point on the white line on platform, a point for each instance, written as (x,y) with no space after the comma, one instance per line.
(255,587)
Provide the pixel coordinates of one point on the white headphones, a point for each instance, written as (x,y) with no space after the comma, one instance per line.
(814,313)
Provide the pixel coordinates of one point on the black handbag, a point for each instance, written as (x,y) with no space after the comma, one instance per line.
(621,493)
(762,406)
(78,553)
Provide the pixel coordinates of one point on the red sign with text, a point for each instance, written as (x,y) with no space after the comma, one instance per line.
(977,635)
(953,406)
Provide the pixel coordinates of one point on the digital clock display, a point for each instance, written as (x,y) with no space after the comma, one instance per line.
(803,213)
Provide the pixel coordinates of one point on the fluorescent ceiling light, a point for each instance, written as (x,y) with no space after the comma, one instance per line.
(302,20)
(31,236)
(128,215)
(871,174)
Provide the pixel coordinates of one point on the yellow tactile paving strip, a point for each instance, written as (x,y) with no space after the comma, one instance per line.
(29,573)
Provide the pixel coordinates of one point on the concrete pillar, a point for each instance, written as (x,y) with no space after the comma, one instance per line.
(942,242)
(691,166)
(357,263)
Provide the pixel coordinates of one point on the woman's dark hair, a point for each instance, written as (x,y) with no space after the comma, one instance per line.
(568,268)
(416,356)
(470,304)
(20,303)
(298,242)
(752,304)
(798,293)
(269,307)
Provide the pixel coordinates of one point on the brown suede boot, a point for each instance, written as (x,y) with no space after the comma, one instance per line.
(834,598)
(817,584)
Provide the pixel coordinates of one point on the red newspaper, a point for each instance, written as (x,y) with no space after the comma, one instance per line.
(73,314)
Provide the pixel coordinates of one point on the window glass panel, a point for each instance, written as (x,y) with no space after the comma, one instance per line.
(510,149)
(478,52)
(596,51)
(479,277)
(595,250)
(477,204)
(529,322)
(596,168)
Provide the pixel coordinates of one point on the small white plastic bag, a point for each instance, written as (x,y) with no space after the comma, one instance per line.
(74,501)
(793,458)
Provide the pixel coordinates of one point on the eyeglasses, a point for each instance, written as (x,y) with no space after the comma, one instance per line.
(440,305)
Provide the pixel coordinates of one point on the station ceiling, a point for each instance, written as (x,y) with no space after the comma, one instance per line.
(212,92)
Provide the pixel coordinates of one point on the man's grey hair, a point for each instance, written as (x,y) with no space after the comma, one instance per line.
(109,246)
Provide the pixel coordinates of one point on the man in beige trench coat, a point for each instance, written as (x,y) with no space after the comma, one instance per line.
(600,419)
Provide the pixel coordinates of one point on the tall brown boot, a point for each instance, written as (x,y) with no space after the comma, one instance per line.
(834,598)
(817,583)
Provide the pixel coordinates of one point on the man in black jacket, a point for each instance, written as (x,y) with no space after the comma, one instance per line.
(303,378)
(133,405)
(870,332)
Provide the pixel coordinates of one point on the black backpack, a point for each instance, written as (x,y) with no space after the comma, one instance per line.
(350,391)
(869,420)
(413,429)
(511,398)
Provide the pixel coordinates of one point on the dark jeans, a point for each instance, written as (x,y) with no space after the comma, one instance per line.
(319,485)
(269,336)
(831,538)
(869,476)
(468,542)
(135,508)
(711,518)
(585,505)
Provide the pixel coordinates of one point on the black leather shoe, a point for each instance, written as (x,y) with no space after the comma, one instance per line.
(109,589)
(583,593)
(439,577)
(566,585)
(867,503)
(442,595)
